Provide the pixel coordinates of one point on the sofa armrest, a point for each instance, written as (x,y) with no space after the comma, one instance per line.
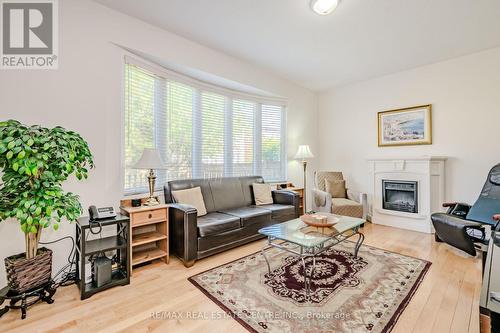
(321,201)
(183,236)
(285,197)
(354,195)
(359,197)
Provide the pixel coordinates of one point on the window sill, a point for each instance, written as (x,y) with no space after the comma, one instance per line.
(140,195)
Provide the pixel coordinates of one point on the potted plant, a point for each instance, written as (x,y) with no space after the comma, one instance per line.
(34,162)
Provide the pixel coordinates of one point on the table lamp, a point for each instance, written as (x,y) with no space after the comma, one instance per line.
(151,160)
(304,153)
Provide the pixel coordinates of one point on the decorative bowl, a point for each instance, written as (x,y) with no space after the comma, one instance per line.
(319,221)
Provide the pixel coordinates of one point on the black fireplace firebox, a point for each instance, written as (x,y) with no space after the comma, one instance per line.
(401,196)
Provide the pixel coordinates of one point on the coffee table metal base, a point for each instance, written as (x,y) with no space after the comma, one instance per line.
(304,252)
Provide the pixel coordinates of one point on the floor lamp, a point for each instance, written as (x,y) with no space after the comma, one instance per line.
(304,153)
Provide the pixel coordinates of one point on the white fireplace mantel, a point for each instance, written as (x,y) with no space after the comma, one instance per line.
(427,171)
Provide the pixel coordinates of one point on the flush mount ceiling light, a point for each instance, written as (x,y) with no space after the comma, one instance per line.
(324,7)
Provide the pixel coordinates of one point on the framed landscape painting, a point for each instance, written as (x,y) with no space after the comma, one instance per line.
(408,126)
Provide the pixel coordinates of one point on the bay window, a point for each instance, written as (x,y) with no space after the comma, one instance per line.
(201,130)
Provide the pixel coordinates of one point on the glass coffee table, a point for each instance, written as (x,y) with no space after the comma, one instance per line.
(304,241)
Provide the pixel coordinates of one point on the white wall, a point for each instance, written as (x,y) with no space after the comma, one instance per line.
(84,95)
(464,93)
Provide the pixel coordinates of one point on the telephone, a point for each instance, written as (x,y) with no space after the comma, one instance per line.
(101,213)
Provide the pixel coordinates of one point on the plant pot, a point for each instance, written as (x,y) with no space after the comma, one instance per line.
(25,274)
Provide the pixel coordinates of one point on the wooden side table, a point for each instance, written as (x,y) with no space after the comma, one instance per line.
(149,231)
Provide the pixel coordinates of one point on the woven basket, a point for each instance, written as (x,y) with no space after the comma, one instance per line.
(25,274)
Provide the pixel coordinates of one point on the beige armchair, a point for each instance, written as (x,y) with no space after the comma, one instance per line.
(355,204)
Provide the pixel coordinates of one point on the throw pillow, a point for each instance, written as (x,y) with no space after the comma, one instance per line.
(262,193)
(336,188)
(193,197)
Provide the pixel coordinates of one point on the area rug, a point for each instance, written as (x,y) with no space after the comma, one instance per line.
(363,294)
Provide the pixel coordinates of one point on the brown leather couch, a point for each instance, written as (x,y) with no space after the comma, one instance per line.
(232,219)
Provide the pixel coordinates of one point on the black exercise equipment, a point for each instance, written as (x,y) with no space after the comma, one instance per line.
(463,226)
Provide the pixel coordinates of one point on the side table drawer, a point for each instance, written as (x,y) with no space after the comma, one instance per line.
(149,217)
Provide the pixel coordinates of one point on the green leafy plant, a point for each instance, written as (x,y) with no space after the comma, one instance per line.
(34,162)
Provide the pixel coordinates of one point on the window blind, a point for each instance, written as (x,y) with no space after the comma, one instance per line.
(212,136)
(178,155)
(243,131)
(144,116)
(272,149)
(200,132)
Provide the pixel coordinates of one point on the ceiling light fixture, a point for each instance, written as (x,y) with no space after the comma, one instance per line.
(324,7)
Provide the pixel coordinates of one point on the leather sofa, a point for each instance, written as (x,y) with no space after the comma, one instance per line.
(232,217)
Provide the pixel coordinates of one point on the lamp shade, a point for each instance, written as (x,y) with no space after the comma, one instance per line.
(303,153)
(150,159)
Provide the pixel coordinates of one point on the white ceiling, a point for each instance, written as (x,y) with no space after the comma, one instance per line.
(362,39)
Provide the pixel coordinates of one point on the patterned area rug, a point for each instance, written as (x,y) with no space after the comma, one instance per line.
(363,294)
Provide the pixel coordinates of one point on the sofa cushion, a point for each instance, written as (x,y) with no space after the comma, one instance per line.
(225,240)
(193,197)
(262,193)
(227,193)
(214,223)
(346,207)
(278,210)
(336,188)
(204,184)
(250,214)
(246,185)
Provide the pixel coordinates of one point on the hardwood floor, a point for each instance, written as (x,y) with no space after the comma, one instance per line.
(446,301)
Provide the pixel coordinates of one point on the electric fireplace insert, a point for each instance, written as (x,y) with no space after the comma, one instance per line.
(400,196)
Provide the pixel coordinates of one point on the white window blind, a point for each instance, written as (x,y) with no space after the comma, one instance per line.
(212,136)
(272,157)
(243,131)
(144,116)
(201,131)
(178,155)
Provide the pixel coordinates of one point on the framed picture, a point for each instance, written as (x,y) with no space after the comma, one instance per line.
(408,126)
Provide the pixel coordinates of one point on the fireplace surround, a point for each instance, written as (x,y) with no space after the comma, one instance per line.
(405,191)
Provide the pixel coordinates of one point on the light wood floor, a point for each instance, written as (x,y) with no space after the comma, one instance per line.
(446,301)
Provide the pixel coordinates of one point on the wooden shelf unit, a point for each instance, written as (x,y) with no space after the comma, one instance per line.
(146,255)
(147,237)
(149,232)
